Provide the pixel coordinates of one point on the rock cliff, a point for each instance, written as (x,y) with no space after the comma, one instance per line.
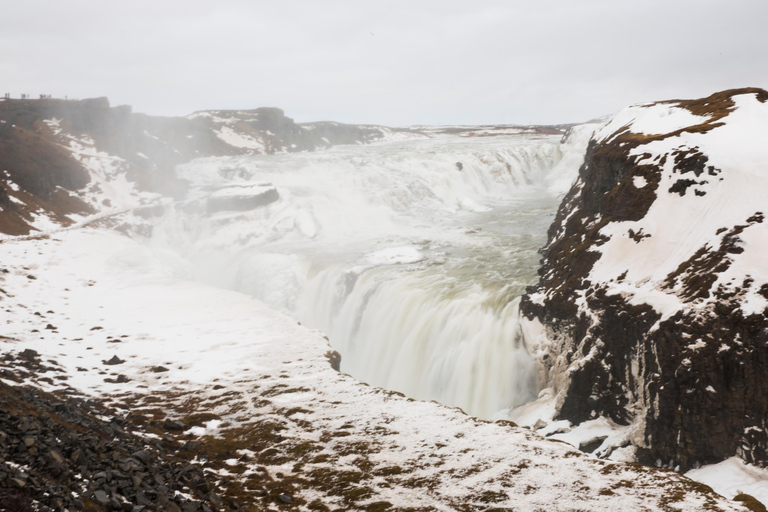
(651,309)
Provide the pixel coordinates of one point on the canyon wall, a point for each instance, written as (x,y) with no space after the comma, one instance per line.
(652,302)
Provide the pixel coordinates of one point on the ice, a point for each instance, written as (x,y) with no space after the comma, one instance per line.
(243,191)
(733,476)
(394,255)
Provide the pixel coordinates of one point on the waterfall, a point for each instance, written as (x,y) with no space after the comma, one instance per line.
(411,256)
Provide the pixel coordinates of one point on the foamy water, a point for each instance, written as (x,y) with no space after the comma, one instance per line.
(411,256)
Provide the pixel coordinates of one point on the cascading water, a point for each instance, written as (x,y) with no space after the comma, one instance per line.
(411,256)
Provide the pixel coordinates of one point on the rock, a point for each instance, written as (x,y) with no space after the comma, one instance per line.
(29,354)
(142,499)
(335,359)
(114,360)
(687,365)
(159,369)
(242,198)
(284,498)
(56,456)
(102,497)
(141,455)
(175,426)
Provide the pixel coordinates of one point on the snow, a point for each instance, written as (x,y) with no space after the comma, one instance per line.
(588,431)
(243,191)
(652,119)
(211,428)
(239,140)
(733,476)
(733,196)
(395,255)
(213,337)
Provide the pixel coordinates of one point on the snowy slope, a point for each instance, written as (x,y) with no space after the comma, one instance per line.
(81,297)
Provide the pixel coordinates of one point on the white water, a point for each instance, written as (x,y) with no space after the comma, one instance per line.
(411,266)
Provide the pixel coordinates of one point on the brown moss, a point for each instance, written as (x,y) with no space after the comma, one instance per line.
(750,502)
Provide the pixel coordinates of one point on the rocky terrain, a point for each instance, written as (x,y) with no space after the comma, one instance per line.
(651,311)
(62,453)
(127,386)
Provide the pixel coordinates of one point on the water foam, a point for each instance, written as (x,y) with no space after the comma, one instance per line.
(410,255)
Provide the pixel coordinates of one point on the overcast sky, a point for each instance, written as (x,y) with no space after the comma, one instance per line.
(388,61)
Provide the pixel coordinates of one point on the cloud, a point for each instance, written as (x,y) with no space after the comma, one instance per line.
(391,62)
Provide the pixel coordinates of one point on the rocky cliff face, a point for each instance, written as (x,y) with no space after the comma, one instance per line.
(652,306)
(61,161)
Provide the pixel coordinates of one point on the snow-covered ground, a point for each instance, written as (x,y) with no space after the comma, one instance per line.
(80,297)
(83,296)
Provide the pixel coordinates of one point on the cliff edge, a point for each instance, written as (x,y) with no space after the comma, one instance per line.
(651,310)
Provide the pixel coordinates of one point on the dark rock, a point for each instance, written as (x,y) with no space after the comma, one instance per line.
(29,354)
(114,360)
(284,498)
(174,426)
(102,497)
(335,359)
(56,456)
(141,455)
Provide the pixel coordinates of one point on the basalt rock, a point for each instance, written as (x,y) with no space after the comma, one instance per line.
(55,456)
(652,304)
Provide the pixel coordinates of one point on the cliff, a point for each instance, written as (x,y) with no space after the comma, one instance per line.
(651,309)
(64,160)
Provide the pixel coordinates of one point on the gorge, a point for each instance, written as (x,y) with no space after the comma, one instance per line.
(411,255)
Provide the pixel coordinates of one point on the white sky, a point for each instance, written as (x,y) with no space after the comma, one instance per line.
(388,61)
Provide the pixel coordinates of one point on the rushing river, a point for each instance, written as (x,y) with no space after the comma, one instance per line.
(411,256)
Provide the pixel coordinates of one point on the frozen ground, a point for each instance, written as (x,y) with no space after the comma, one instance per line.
(81,297)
